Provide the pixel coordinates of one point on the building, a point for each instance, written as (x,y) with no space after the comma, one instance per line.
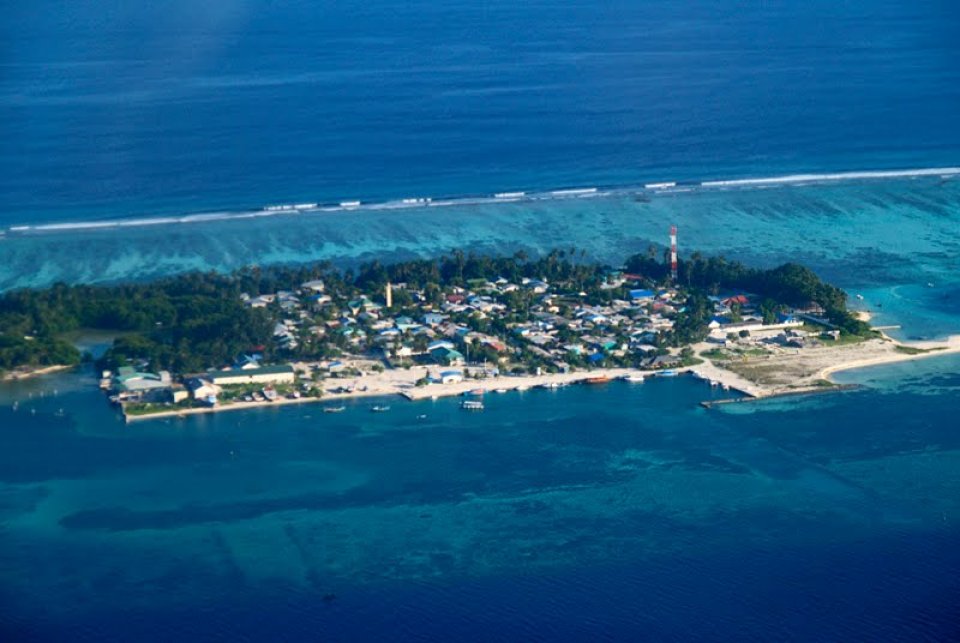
(281,374)
(451,377)
(202,389)
(447,356)
(129,380)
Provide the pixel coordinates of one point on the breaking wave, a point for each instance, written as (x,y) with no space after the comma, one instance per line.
(654,188)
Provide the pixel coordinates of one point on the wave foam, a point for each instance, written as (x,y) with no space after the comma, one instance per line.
(306,209)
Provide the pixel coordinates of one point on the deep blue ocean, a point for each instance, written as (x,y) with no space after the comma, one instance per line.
(612,513)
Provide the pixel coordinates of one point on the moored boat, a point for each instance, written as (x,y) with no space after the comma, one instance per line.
(599,379)
(334,409)
(379,408)
(633,377)
(471,405)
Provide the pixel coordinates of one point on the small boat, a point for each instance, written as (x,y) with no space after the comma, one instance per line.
(500,390)
(523,388)
(334,409)
(600,379)
(551,385)
(635,378)
(477,391)
(471,405)
(668,373)
(421,417)
(379,408)
(859,296)
(714,383)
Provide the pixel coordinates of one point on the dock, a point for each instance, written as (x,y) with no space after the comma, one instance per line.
(838,388)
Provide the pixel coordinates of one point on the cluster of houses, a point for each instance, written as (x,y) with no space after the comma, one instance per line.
(130,385)
(558,325)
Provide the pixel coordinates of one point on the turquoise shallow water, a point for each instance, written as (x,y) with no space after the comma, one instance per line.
(794,514)
(887,239)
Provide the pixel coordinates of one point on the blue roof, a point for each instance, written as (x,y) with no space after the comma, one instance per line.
(640,293)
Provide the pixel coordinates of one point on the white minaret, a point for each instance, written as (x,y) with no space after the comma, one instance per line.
(388,295)
(673,252)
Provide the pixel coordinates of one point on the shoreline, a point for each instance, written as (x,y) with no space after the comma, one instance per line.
(402,382)
(413,393)
(17,376)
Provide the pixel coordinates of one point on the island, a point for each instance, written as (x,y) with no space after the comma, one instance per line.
(462,323)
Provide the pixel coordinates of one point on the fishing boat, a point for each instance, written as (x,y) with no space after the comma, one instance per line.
(334,409)
(600,379)
(471,405)
(500,390)
(636,378)
(379,408)
(668,373)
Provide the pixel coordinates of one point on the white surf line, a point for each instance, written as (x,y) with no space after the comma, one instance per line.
(837,176)
(497,197)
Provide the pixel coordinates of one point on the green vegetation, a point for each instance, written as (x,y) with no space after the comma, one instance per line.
(788,285)
(195,321)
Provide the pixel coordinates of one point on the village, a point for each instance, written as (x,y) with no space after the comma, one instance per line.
(487,335)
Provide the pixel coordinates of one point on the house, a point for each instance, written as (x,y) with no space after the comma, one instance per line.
(440,343)
(451,377)
(280,374)
(448,356)
(315,285)
(641,294)
(129,380)
(202,389)
(434,319)
(739,300)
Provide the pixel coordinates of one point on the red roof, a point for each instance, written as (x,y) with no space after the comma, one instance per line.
(736,299)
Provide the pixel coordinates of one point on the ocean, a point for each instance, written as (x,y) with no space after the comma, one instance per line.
(623,512)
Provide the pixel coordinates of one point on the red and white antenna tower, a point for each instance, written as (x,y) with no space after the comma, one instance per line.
(673,252)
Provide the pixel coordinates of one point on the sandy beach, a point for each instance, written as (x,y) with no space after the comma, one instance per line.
(36,372)
(779,372)
(403,382)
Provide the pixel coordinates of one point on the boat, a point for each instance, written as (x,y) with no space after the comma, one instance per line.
(500,390)
(471,405)
(668,373)
(379,408)
(334,409)
(476,391)
(599,379)
(633,377)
